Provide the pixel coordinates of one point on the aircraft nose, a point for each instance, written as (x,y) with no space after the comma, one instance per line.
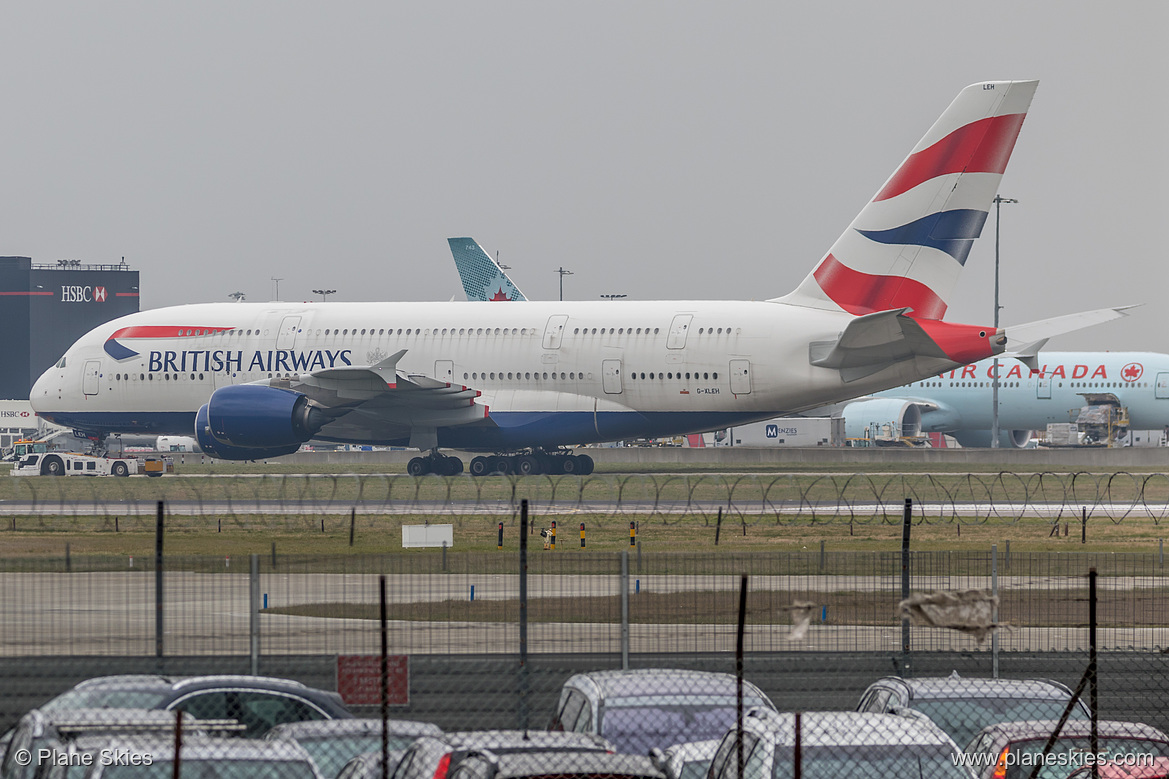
(44,391)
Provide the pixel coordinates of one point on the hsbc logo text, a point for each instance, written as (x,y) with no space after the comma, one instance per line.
(83,294)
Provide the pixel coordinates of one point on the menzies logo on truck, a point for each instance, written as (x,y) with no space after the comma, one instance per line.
(75,293)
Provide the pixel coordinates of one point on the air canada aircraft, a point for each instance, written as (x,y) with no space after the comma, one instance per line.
(1052,389)
(256,380)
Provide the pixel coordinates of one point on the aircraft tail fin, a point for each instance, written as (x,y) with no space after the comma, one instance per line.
(907,246)
(482,277)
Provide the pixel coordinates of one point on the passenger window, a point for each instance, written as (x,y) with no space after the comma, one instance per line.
(569,711)
(260,711)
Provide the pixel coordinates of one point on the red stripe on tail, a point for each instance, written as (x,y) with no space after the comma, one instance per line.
(861,293)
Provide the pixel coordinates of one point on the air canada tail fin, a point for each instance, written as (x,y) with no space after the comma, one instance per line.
(482,277)
(907,246)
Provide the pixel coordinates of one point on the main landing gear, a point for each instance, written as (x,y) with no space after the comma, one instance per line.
(532,464)
(525,464)
(438,464)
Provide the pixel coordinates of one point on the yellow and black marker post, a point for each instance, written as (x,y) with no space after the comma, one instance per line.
(553,538)
(633,533)
(582,538)
(500,546)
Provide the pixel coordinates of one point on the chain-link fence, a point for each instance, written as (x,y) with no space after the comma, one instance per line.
(810,663)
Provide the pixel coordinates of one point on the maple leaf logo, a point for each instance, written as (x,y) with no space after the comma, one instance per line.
(1132,371)
(501,295)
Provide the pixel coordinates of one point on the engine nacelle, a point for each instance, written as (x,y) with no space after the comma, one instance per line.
(882,418)
(1008,439)
(250,421)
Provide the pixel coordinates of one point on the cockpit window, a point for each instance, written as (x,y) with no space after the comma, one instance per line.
(60,364)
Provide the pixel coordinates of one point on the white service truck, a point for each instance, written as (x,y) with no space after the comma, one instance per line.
(69,464)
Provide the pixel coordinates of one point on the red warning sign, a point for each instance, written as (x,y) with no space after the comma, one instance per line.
(359,679)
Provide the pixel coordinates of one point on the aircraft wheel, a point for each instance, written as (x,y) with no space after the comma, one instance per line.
(480,466)
(584,464)
(527,465)
(120,469)
(503,465)
(52,466)
(418,467)
(568,464)
(452,466)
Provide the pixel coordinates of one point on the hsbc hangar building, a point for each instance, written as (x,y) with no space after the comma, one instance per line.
(48,307)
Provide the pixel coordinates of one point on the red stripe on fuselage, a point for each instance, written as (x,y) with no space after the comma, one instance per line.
(980,147)
(166,331)
(862,293)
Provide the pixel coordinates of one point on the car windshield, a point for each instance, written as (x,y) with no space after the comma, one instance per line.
(927,761)
(214,769)
(1067,753)
(963,718)
(331,753)
(637,729)
(694,770)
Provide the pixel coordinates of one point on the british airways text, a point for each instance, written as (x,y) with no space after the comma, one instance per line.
(279,360)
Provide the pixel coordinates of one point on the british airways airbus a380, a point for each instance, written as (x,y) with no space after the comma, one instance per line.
(256,380)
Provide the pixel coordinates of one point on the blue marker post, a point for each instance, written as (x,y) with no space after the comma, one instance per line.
(472,593)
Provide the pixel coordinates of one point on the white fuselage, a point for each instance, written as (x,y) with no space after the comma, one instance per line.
(664,367)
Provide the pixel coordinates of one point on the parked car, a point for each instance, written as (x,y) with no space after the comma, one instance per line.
(1009,750)
(1157,768)
(433,758)
(258,702)
(333,743)
(41,730)
(840,744)
(963,706)
(562,765)
(368,765)
(685,761)
(638,710)
(206,758)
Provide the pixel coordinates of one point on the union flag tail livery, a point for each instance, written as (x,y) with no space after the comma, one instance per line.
(907,246)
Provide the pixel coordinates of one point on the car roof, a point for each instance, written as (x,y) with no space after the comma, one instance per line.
(846,728)
(1025,730)
(538,764)
(183,683)
(75,721)
(194,747)
(954,686)
(656,681)
(535,739)
(349,727)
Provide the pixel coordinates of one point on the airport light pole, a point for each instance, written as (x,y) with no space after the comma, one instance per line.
(994,419)
(277,286)
(324,293)
(562,273)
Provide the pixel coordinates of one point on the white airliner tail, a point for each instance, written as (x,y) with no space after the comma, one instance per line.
(482,277)
(907,246)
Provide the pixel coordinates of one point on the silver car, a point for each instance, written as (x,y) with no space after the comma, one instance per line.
(1015,747)
(685,761)
(835,744)
(638,710)
(333,743)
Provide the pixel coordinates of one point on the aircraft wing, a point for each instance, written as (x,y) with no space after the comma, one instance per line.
(1026,340)
(379,402)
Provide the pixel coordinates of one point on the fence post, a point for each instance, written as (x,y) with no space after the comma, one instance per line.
(254,613)
(352,523)
(384,676)
(994,610)
(624,609)
(1084,525)
(523,670)
(158,580)
(906,523)
(1093,689)
(739,670)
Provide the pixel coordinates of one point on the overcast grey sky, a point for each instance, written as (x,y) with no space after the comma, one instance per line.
(656,149)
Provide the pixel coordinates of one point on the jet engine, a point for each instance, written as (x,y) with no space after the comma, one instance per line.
(882,419)
(1008,439)
(251,421)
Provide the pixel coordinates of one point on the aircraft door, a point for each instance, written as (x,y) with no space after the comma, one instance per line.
(678,329)
(611,376)
(554,331)
(289,327)
(91,377)
(1162,387)
(1043,388)
(741,377)
(444,370)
